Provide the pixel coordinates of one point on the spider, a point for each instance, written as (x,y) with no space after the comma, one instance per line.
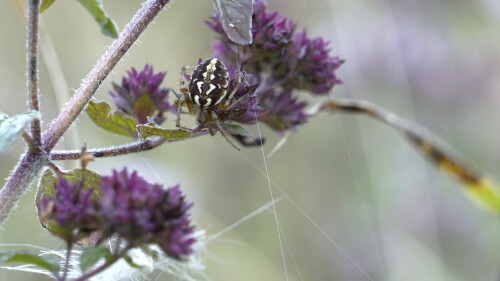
(207,95)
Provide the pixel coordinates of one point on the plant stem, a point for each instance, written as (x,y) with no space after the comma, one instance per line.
(32,60)
(118,255)
(27,138)
(30,166)
(66,262)
(134,147)
(26,171)
(97,75)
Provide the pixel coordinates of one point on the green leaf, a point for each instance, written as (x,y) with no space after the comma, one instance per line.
(92,255)
(236,19)
(46,4)
(95,8)
(150,130)
(48,181)
(117,122)
(11,128)
(27,258)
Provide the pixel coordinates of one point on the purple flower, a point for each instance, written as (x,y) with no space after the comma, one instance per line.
(70,211)
(142,212)
(282,60)
(286,58)
(271,33)
(281,110)
(309,65)
(141,96)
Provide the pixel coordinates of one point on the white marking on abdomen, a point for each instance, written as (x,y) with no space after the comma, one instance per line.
(212,87)
(198,84)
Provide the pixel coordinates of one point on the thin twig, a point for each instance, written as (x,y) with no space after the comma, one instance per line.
(27,138)
(97,75)
(56,169)
(134,147)
(32,58)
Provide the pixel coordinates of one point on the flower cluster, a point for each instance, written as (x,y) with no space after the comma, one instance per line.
(70,213)
(283,60)
(141,96)
(310,66)
(146,213)
(271,33)
(129,208)
(287,112)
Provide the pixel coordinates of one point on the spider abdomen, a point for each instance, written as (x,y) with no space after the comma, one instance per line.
(208,84)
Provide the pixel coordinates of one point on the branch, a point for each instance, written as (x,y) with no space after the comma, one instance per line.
(30,166)
(97,75)
(135,147)
(26,171)
(32,60)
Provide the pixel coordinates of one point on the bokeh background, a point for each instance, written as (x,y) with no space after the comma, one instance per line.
(366,205)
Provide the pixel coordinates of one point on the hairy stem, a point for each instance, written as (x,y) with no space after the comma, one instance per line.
(26,171)
(97,75)
(66,261)
(134,147)
(30,166)
(32,58)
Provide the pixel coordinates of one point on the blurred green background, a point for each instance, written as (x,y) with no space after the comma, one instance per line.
(365,206)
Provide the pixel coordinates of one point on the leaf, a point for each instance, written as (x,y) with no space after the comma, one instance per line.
(46,4)
(11,128)
(236,18)
(49,179)
(92,255)
(117,122)
(27,258)
(95,8)
(150,130)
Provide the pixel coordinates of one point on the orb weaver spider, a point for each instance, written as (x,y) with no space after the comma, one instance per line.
(207,95)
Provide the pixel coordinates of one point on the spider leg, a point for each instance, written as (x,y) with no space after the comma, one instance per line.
(179,104)
(234,103)
(221,130)
(227,103)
